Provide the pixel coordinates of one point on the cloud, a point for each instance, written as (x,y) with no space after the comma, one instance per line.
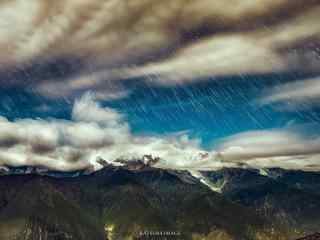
(178,41)
(272,148)
(87,110)
(230,54)
(94,132)
(82,83)
(305,91)
(282,47)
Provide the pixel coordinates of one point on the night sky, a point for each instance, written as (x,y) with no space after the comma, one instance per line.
(171,80)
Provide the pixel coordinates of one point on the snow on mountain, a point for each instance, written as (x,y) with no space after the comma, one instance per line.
(207,182)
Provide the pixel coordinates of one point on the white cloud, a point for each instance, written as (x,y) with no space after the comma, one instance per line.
(221,55)
(305,91)
(81,83)
(268,49)
(93,132)
(272,148)
(87,110)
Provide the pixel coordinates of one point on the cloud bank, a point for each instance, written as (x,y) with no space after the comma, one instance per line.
(176,41)
(96,132)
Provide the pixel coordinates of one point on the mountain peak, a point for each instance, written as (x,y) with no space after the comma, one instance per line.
(134,164)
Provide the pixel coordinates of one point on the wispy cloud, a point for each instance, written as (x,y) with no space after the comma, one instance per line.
(305,91)
(176,41)
(81,83)
(272,148)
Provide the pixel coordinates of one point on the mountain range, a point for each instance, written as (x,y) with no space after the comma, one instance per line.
(122,202)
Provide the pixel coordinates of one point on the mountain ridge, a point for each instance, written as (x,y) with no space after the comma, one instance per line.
(121,202)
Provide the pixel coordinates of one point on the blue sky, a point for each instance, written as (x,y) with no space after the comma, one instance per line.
(210,109)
